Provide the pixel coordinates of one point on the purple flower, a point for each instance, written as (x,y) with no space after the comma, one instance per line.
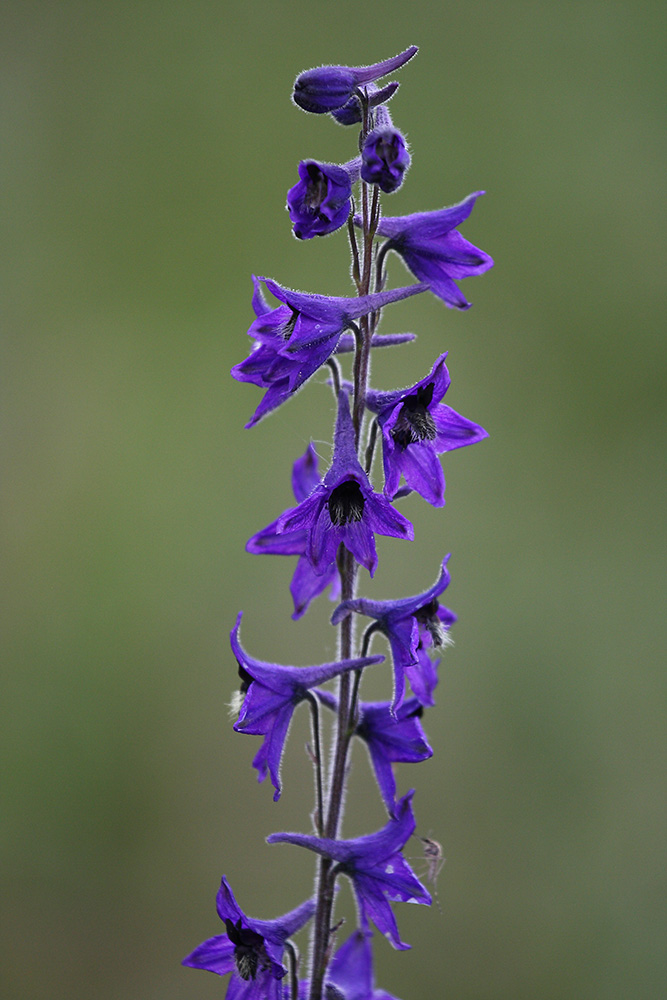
(416,428)
(350,975)
(411,625)
(434,250)
(306,584)
(272,692)
(350,113)
(327,88)
(374,863)
(344,508)
(295,339)
(320,202)
(390,738)
(384,157)
(251,950)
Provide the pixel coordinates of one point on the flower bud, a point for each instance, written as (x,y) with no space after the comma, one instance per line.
(350,113)
(384,156)
(320,202)
(327,88)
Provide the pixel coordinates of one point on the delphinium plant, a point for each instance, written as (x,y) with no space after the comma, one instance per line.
(331,532)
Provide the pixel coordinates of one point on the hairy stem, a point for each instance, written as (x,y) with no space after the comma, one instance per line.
(335,371)
(293,970)
(315,721)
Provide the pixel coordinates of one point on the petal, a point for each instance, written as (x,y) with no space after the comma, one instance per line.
(378,401)
(362,852)
(277,931)
(390,612)
(454,430)
(366,74)
(307,584)
(384,774)
(423,677)
(215,955)
(259,303)
(427,225)
(305,474)
(421,468)
(374,905)
(274,397)
(268,542)
(226,905)
(436,275)
(264,987)
(351,969)
(359,539)
(259,708)
(385,519)
(287,681)
(303,517)
(323,541)
(269,755)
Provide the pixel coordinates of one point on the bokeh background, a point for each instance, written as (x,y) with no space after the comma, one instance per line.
(146,151)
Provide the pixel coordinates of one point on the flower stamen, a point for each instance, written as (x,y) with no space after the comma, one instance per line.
(346,503)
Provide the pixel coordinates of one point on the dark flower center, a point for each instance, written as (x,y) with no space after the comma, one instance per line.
(387,148)
(287,329)
(246,679)
(316,188)
(331,992)
(414,422)
(249,951)
(427,616)
(346,503)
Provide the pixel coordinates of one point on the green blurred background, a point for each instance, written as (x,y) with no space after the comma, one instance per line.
(147,149)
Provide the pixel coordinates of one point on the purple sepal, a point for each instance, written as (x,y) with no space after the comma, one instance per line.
(390,738)
(248,946)
(434,250)
(350,113)
(411,625)
(327,88)
(320,202)
(374,863)
(416,428)
(272,692)
(306,584)
(344,508)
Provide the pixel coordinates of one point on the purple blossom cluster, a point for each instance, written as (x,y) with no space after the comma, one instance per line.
(331,531)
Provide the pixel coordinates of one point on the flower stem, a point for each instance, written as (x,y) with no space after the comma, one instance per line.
(315,721)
